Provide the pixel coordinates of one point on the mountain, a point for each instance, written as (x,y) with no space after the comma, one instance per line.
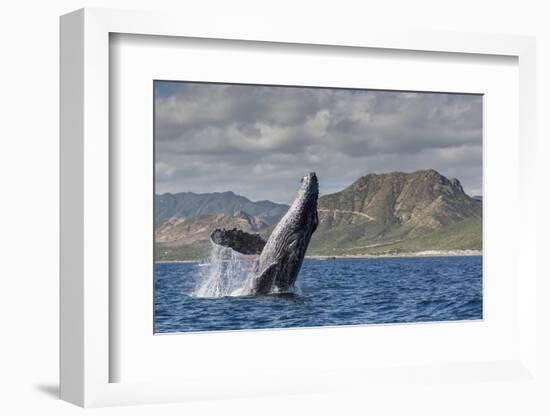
(180,231)
(184,221)
(188,238)
(397,212)
(189,204)
(388,213)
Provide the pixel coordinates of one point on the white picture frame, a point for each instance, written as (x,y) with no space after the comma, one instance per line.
(86,356)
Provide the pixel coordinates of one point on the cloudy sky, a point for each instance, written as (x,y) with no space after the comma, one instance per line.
(259,140)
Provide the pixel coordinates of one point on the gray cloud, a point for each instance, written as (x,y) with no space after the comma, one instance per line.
(259,140)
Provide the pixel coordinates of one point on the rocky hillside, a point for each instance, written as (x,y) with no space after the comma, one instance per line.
(387,213)
(181,231)
(396,212)
(190,204)
(184,221)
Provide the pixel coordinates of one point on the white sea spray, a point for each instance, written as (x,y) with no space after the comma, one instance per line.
(225,273)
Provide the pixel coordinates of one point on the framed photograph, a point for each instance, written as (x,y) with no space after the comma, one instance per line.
(270,213)
(372,233)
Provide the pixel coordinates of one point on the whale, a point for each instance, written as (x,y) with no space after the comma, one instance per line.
(281,256)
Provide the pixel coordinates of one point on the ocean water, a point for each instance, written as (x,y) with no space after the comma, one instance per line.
(328,292)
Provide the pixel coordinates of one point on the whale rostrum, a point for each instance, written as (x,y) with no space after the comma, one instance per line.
(281,257)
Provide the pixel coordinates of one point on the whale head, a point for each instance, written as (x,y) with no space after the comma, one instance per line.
(302,214)
(301,219)
(308,192)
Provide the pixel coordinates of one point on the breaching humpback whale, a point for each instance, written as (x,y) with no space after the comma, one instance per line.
(282,255)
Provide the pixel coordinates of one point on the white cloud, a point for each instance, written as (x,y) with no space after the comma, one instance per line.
(258,141)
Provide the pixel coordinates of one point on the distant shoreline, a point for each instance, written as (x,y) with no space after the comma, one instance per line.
(430,253)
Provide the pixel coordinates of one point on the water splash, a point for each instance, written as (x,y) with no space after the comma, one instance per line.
(225,274)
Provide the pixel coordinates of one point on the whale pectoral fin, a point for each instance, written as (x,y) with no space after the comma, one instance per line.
(237,240)
(264,281)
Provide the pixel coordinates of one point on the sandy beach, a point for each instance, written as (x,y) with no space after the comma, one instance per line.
(430,253)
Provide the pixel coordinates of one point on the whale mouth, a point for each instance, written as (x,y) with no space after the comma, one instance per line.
(310,183)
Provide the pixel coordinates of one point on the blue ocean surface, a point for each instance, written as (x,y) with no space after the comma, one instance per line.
(329,292)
